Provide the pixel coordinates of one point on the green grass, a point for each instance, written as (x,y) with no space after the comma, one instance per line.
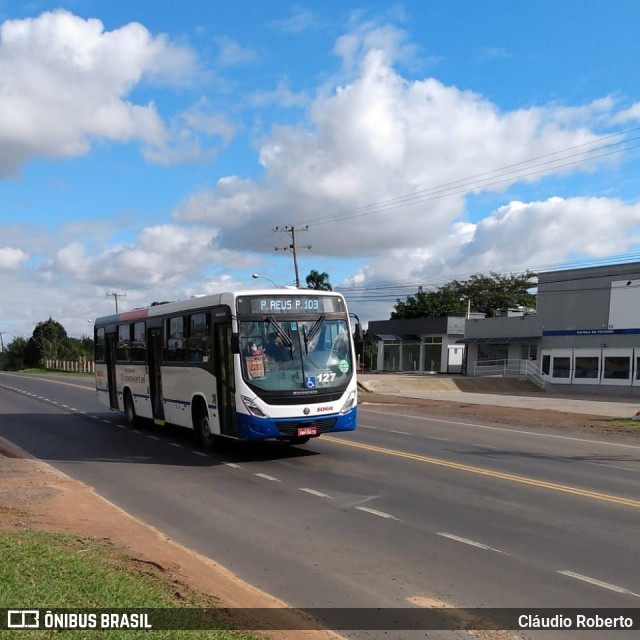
(626,424)
(44,571)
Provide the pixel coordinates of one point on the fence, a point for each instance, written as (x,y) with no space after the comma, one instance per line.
(82,365)
(508,369)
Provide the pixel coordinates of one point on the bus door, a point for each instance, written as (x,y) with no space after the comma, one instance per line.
(110,359)
(154,349)
(224,371)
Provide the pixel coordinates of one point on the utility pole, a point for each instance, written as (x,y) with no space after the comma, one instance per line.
(2,341)
(116,296)
(291,230)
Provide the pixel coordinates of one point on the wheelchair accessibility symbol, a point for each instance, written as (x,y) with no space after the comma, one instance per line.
(310,382)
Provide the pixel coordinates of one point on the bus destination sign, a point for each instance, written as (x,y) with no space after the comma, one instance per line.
(269,305)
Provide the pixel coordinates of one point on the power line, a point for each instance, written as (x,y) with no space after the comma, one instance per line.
(390,290)
(554,160)
(472,184)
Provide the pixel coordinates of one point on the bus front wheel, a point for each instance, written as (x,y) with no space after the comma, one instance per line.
(203,429)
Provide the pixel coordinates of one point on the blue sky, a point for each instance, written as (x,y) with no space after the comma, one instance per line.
(152,148)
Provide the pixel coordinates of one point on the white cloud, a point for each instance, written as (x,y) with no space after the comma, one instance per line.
(234,54)
(541,232)
(193,136)
(12,258)
(388,41)
(404,146)
(632,114)
(300,20)
(64,81)
(381,170)
(281,96)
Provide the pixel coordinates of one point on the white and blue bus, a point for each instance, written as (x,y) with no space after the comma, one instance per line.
(270,364)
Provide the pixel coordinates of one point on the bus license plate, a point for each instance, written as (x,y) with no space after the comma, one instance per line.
(307,431)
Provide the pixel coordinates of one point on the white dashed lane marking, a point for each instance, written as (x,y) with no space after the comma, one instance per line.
(599,583)
(471,543)
(313,492)
(267,477)
(380,514)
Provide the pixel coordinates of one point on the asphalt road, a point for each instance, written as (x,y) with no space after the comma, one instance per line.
(405,511)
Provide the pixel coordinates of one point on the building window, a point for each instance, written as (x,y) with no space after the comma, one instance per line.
(490,353)
(411,356)
(587,367)
(529,352)
(391,357)
(617,367)
(562,367)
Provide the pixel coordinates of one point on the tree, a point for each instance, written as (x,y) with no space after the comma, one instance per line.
(487,294)
(48,342)
(318,281)
(428,304)
(13,357)
(494,293)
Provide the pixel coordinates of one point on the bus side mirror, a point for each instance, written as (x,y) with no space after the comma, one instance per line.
(235,343)
(358,332)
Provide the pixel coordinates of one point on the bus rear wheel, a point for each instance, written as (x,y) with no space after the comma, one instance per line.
(130,409)
(203,430)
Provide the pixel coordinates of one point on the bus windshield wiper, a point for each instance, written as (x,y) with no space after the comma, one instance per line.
(316,327)
(308,337)
(281,334)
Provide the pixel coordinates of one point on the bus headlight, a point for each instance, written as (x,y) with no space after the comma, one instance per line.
(253,408)
(349,403)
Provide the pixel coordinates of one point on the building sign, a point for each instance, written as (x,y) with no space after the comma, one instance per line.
(589,332)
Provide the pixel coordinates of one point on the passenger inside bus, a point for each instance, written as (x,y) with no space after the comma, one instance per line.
(275,350)
(254,350)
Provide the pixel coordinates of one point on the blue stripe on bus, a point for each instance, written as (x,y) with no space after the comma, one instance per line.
(252,428)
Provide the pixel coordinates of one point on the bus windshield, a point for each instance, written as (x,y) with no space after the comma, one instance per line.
(289,355)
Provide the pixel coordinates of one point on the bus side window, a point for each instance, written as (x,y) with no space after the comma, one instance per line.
(123,350)
(139,345)
(198,342)
(175,340)
(99,345)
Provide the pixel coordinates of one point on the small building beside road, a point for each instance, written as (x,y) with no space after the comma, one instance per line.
(585,332)
(427,345)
